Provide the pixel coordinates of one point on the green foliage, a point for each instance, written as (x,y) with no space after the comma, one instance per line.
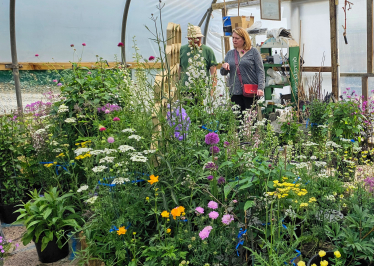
(13,190)
(48,217)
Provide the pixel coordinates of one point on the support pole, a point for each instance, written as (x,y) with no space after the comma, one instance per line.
(13,47)
(370,41)
(123,31)
(209,14)
(334,49)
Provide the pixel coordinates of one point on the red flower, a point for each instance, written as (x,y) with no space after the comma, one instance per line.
(151,58)
(120,44)
(116,119)
(71,45)
(102,128)
(36,55)
(83,44)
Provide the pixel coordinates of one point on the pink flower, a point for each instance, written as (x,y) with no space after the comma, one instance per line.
(55,80)
(151,58)
(199,210)
(204,234)
(227,219)
(213,215)
(210,177)
(120,44)
(110,140)
(102,129)
(208,228)
(83,44)
(59,84)
(116,119)
(235,201)
(107,111)
(36,55)
(71,45)
(89,73)
(213,205)
(2,251)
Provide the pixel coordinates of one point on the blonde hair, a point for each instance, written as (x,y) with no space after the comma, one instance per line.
(245,36)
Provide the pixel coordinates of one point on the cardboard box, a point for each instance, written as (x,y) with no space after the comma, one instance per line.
(242,21)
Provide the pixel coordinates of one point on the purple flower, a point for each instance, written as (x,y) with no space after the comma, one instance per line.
(221,180)
(120,44)
(205,232)
(226,144)
(227,219)
(83,44)
(211,138)
(55,80)
(59,84)
(210,165)
(151,58)
(179,118)
(199,210)
(213,215)
(36,55)
(210,177)
(116,119)
(110,140)
(213,205)
(108,108)
(2,251)
(214,149)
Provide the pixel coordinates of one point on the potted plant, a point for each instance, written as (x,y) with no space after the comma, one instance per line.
(12,193)
(48,219)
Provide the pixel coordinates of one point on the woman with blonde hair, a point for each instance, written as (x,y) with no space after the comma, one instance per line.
(244,64)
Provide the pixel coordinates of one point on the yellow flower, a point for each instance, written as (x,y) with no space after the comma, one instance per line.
(54,162)
(168,230)
(177,211)
(312,199)
(121,231)
(322,253)
(165,214)
(303,204)
(134,233)
(153,179)
(301,263)
(324,263)
(314,264)
(147,198)
(337,254)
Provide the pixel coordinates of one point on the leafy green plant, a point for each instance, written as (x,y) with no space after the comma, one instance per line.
(48,217)
(13,191)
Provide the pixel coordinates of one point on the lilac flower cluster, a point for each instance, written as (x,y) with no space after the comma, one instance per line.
(179,117)
(38,108)
(108,108)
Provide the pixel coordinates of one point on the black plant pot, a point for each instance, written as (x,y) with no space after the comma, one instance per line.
(51,253)
(7,213)
(317,259)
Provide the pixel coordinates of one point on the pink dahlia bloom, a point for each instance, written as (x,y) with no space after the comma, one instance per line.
(213,215)
(213,205)
(227,219)
(199,210)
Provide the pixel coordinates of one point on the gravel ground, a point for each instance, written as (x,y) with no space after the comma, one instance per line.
(26,255)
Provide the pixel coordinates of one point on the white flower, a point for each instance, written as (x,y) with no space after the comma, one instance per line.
(40,131)
(149,151)
(98,169)
(313,157)
(357,149)
(71,120)
(82,188)
(44,116)
(108,151)
(107,159)
(330,197)
(96,152)
(301,165)
(48,126)
(290,212)
(54,143)
(129,130)
(80,151)
(63,108)
(309,143)
(323,175)
(57,150)
(320,164)
(349,162)
(125,148)
(120,180)
(92,200)
(136,137)
(137,158)
(333,144)
(301,157)
(345,140)
(322,126)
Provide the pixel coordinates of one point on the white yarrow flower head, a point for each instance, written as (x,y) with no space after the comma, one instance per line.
(313,157)
(138,158)
(92,200)
(40,131)
(63,108)
(136,137)
(71,120)
(128,130)
(99,169)
(107,159)
(82,188)
(149,151)
(125,148)
(120,181)
(80,151)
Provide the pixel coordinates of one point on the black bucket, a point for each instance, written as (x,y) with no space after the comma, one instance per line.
(51,253)
(7,213)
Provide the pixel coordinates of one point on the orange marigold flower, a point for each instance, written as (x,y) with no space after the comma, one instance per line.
(153,179)
(121,231)
(177,211)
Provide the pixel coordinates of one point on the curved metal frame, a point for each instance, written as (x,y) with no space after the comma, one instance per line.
(123,31)
(209,14)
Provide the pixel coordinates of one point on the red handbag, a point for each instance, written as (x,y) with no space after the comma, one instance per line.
(249,90)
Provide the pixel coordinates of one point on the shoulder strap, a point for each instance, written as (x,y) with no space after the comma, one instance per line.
(237,68)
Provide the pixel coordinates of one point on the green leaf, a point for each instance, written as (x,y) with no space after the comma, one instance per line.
(47,212)
(339,132)
(248,204)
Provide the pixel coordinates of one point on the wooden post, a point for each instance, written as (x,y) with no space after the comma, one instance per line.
(227,40)
(365,87)
(334,49)
(370,41)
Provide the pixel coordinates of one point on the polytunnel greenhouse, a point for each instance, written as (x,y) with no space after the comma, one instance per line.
(170,133)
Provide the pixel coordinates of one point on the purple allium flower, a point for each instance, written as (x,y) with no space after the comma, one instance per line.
(110,140)
(210,165)
(211,138)
(210,177)
(116,119)
(83,44)
(151,58)
(221,180)
(213,215)
(59,84)
(213,205)
(199,210)
(227,219)
(226,144)
(214,149)
(120,44)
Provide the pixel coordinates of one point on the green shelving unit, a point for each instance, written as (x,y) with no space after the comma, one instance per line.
(293,64)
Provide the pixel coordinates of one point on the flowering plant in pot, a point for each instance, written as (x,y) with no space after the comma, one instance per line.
(48,219)
(6,247)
